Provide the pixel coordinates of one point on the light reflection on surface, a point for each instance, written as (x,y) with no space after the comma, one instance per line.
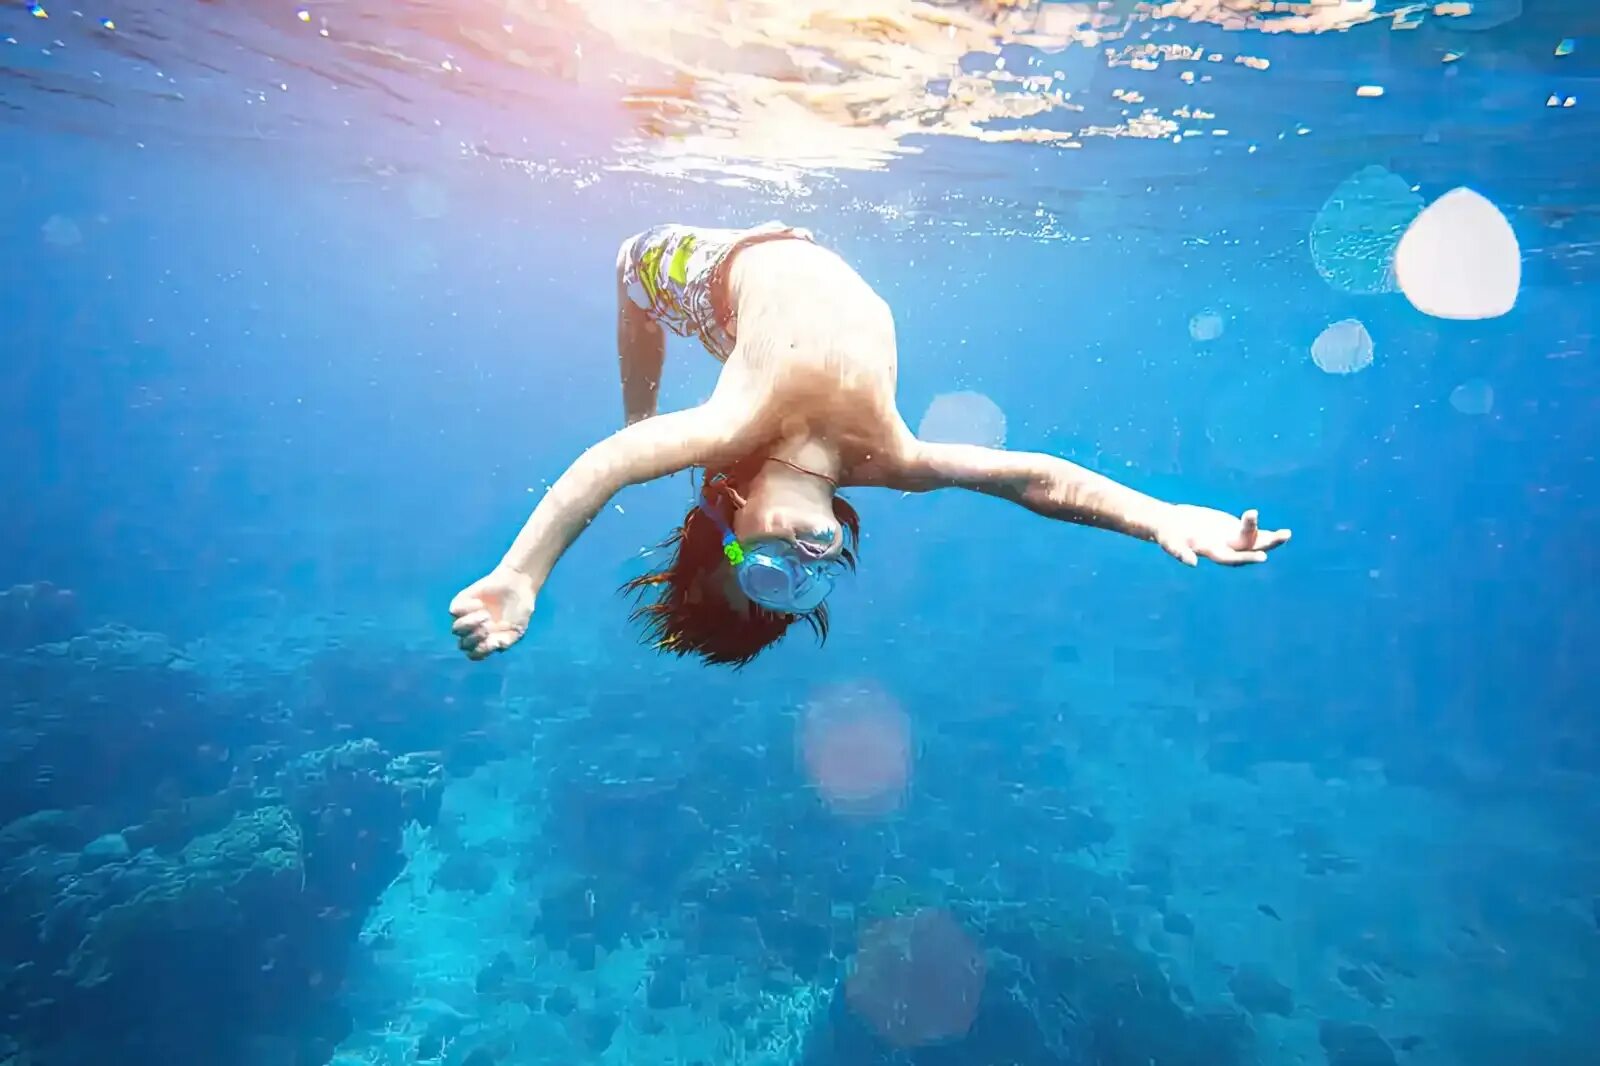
(771,85)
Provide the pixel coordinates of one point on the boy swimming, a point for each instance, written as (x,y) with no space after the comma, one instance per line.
(804,406)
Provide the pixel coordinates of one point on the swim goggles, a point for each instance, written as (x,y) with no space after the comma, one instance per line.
(776,575)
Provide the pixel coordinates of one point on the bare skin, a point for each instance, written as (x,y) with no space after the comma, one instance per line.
(810,382)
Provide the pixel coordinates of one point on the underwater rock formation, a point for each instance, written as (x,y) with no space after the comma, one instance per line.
(1260,993)
(1087,977)
(404,700)
(181,879)
(184,952)
(1349,1044)
(106,719)
(1057,990)
(635,824)
(36,614)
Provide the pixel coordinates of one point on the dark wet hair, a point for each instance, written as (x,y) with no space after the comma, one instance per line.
(671,602)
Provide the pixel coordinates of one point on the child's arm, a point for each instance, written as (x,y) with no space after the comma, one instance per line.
(492,613)
(644,451)
(1056,488)
(1044,484)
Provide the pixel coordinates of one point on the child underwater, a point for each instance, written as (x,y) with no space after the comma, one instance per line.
(804,406)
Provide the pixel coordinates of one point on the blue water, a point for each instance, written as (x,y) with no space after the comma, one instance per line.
(296,332)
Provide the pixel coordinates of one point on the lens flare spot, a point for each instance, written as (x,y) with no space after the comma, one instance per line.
(59,231)
(1206,326)
(856,748)
(1460,259)
(963,418)
(1473,397)
(1343,348)
(916,979)
(1354,235)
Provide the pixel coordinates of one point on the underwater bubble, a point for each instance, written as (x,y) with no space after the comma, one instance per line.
(1460,259)
(856,747)
(1355,234)
(427,199)
(1206,326)
(916,979)
(1343,348)
(1473,397)
(963,418)
(59,231)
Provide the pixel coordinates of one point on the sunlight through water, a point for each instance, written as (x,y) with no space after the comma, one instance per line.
(775,87)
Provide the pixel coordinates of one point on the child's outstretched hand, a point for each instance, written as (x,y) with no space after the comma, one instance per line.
(492,613)
(1189,534)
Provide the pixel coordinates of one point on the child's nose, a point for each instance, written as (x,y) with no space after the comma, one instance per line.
(817,542)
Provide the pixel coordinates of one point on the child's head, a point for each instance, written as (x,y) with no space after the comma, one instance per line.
(694,605)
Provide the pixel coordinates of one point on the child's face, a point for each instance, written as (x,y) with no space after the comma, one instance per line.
(772,512)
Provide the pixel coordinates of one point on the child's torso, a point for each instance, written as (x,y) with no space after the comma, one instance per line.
(802,335)
(816,348)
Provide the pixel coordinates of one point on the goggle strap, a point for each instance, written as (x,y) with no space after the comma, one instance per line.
(730,544)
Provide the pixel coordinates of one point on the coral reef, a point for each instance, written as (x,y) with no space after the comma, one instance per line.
(36,614)
(369,858)
(183,871)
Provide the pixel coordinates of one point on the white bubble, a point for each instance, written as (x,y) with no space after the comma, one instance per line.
(1206,326)
(1343,348)
(963,418)
(1473,397)
(1354,235)
(1460,259)
(61,232)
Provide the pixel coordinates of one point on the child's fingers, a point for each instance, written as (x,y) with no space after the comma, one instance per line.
(1234,557)
(468,622)
(1249,528)
(1178,549)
